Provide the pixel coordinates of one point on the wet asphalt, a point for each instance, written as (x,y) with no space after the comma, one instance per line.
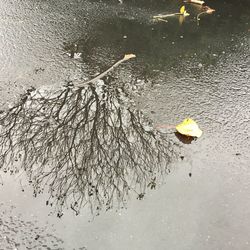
(154,191)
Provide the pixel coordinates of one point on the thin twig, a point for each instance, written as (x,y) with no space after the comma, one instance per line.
(198,16)
(101,75)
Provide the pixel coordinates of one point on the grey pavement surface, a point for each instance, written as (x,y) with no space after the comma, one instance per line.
(181,71)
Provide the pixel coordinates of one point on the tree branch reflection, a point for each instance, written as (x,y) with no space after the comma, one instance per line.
(88,145)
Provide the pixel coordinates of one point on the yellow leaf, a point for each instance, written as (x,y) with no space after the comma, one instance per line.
(182,9)
(189,127)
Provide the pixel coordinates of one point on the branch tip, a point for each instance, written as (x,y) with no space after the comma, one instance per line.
(128,56)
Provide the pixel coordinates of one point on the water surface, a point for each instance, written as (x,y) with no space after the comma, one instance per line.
(75,152)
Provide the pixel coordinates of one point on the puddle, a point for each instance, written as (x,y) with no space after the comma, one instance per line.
(94,150)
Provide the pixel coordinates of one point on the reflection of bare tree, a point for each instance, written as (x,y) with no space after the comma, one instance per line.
(88,145)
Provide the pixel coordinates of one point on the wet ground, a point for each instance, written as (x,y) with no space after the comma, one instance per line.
(86,168)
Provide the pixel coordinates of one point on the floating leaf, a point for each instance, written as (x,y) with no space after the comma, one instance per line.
(189,128)
(182,9)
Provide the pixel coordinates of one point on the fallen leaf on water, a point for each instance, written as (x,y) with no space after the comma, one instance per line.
(189,128)
(183,11)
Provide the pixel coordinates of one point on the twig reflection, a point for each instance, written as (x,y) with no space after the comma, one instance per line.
(87,145)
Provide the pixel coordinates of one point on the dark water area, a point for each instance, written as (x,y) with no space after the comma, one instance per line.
(90,167)
(162,47)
